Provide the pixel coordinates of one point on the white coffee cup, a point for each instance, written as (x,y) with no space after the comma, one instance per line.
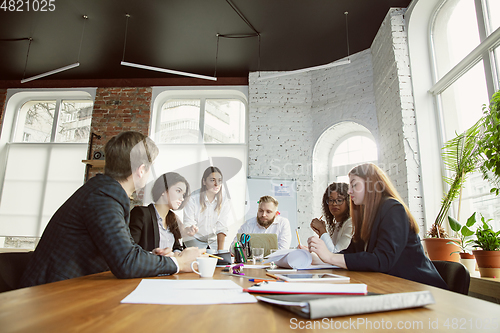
(206,266)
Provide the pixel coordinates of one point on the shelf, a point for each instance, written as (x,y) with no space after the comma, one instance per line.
(95,163)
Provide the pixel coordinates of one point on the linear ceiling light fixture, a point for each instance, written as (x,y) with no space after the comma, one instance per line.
(58,70)
(303,70)
(158,69)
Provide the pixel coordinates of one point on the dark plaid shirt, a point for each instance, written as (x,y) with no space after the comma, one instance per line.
(89,234)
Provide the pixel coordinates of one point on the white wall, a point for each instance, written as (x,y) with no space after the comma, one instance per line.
(399,152)
(287,115)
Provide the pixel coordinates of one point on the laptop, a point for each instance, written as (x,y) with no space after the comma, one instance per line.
(266,241)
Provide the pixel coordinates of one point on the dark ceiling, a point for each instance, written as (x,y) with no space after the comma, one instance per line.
(181,35)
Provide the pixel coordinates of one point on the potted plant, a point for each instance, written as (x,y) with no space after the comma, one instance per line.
(461,156)
(488,257)
(464,241)
(490,143)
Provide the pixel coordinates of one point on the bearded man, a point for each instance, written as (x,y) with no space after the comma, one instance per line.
(268,221)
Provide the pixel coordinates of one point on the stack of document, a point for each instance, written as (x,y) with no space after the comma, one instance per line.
(189,292)
(322,306)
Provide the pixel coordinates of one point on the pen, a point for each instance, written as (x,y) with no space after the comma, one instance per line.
(273,276)
(260,280)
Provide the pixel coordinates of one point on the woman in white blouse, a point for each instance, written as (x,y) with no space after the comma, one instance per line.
(207,212)
(336,231)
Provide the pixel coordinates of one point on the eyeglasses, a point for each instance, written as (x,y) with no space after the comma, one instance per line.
(337,202)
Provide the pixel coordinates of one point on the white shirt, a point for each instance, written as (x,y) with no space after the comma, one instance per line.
(209,222)
(340,239)
(280,227)
(167,238)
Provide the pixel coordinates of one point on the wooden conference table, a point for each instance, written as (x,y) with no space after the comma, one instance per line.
(92,304)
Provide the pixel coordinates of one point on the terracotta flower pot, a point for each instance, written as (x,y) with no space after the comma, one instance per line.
(488,262)
(438,249)
(465,255)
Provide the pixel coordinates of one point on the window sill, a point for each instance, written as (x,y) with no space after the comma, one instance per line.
(95,163)
(485,288)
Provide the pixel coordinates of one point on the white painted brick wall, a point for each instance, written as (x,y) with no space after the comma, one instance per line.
(288,114)
(399,151)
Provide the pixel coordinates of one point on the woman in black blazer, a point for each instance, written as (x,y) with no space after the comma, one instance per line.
(169,192)
(385,232)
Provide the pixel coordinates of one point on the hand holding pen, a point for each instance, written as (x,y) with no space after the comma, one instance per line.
(318,226)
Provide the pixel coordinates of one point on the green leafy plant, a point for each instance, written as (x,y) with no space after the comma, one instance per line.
(461,156)
(487,239)
(463,231)
(490,143)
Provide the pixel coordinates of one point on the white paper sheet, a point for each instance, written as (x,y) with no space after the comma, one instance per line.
(292,258)
(188,292)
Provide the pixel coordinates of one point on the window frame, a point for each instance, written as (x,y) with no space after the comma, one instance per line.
(161,95)
(420,18)
(15,99)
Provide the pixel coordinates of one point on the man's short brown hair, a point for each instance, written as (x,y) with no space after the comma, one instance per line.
(268,198)
(126,152)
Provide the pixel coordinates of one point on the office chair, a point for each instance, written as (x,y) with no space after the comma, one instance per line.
(12,266)
(455,275)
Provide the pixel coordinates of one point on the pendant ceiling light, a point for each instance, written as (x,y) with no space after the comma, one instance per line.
(58,70)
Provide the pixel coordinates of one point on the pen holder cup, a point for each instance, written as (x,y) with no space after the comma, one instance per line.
(238,256)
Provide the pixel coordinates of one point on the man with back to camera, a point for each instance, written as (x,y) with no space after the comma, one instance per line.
(268,221)
(89,233)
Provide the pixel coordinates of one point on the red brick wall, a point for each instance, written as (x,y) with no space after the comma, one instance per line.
(117,110)
(3,96)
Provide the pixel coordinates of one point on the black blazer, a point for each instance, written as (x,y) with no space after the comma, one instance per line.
(89,234)
(144,228)
(393,249)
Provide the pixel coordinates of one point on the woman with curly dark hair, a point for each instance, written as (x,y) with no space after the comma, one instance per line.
(336,231)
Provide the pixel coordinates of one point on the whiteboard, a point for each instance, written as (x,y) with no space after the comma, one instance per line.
(283,190)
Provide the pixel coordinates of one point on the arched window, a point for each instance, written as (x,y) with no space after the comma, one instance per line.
(338,149)
(349,152)
(44,139)
(465,37)
(197,127)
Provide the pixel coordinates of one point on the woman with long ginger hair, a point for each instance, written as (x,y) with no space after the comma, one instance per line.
(385,236)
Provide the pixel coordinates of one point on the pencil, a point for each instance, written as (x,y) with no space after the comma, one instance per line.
(273,276)
(211,255)
(297,231)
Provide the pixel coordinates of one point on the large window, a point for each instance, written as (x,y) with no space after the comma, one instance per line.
(206,120)
(54,121)
(43,141)
(198,127)
(466,71)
